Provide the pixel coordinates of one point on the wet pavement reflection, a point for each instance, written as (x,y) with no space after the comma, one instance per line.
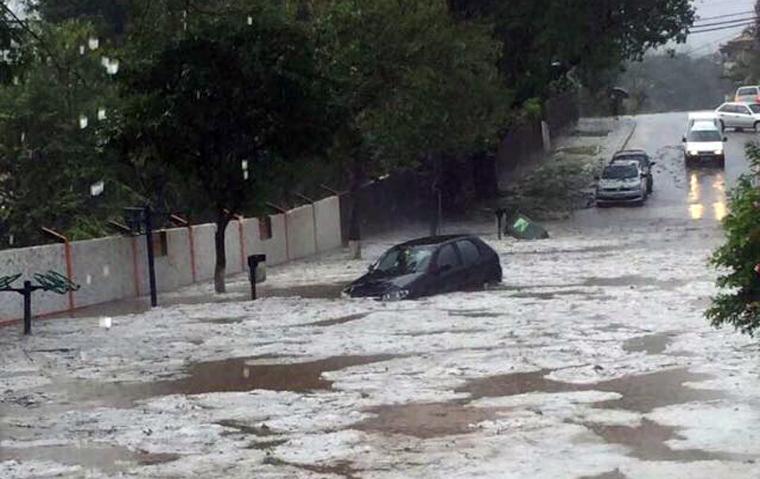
(106,458)
(707,194)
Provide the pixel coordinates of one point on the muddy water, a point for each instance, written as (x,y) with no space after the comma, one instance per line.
(648,441)
(641,393)
(424,420)
(616,474)
(650,344)
(231,375)
(88,456)
(335,321)
(341,468)
(311,291)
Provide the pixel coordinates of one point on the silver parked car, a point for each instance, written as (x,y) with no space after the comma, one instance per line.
(747,94)
(622,182)
(739,116)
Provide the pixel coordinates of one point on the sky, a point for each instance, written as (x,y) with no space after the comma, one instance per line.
(705,43)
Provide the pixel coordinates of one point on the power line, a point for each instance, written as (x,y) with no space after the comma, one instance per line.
(701,19)
(726,22)
(727,27)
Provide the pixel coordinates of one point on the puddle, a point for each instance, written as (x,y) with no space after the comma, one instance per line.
(442,331)
(266,444)
(616,474)
(233,320)
(310,291)
(334,321)
(424,420)
(341,468)
(635,281)
(650,344)
(648,442)
(640,393)
(102,457)
(243,428)
(230,375)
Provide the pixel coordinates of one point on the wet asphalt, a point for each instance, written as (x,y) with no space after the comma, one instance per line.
(681,195)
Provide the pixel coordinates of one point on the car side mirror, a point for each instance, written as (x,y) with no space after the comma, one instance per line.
(725,138)
(643,175)
(596,177)
(652,163)
(683,139)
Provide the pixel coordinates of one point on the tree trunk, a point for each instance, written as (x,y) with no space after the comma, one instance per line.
(221,254)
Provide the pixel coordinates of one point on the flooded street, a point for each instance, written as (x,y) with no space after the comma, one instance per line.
(592,360)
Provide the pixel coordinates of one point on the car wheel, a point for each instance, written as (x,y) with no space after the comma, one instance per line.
(650,185)
(757,126)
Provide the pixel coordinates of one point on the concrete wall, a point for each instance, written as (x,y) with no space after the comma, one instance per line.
(328,223)
(300,225)
(115,268)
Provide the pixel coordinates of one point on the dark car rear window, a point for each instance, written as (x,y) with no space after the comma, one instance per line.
(747,91)
(470,252)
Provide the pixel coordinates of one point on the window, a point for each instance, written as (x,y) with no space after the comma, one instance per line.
(725,109)
(265,228)
(747,91)
(447,256)
(743,110)
(405,260)
(619,172)
(470,252)
(755,108)
(704,135)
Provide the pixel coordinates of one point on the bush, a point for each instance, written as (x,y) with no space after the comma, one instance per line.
(738,303)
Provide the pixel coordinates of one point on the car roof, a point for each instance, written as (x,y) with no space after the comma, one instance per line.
(737,103)
(704,126)
(746,86)
(702,115)
(632,151)
(434,240)
(625,162)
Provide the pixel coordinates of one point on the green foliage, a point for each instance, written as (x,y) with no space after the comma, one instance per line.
(219,94)
(738,303)
(410,81)
(545,39)
(47,162)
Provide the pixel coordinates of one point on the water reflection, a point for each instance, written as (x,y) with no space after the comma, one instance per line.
(707,195)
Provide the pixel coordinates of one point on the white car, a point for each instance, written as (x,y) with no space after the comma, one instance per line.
(739,116)
(704,144)
(710,116)
(747,94)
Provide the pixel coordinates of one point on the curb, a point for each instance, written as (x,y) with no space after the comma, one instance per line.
(628,136)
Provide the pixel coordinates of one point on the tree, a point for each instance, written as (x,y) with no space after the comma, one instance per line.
(223,102)
(48,158)
(414,86)
(545,39)
(109,18)
(738,304)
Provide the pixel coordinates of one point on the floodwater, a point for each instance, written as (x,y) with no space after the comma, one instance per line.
(336,321)
(424,420)
(340,468)
(650,344)
(107,458)
(640,393)
(310,291)
(241,374)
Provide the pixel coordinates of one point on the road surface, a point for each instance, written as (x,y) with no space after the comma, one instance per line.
(593,359)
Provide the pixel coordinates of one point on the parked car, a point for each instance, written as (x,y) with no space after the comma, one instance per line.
(644,160)
(427,266)
(739,116)
(704,144)
(622,182)
(747,94)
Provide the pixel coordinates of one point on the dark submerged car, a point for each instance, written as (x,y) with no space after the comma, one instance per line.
(427,266)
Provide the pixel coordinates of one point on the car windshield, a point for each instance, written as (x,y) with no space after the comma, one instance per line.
(704,135)
(637,158)
(404,260)
(619,172)
(754,107)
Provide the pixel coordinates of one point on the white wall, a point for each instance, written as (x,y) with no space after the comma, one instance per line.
(115,268)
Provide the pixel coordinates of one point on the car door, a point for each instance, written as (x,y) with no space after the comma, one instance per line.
(724,114)
(744,117)
(474,275)
(731,118)
(448,270)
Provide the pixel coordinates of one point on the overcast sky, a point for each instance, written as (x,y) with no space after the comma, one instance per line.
(704,43)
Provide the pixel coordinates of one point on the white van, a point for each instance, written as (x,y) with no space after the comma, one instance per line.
(747,94)
(704,144)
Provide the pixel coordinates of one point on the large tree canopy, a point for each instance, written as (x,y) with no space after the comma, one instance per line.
(543,39)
